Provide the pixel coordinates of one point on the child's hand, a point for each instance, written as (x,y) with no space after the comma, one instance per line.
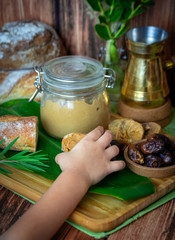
(90,158)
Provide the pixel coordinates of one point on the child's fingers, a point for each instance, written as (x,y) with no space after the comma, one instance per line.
(106,139)
(95,134)
(116,166)
(112,151)
(58,158)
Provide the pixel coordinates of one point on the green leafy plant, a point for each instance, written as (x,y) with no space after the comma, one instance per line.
(114,15)
(30,162)
(113,18)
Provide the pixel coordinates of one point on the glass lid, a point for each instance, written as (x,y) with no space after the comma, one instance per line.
(73,70)
(73,76)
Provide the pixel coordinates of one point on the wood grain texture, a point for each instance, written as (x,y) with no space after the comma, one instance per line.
(102,213)
(75,24)
(76,28)
(158,224)
(11,208)
(12,10)
(74,21)
(95,212)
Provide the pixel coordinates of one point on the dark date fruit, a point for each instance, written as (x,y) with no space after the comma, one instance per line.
(172,146)
(121,146)
(147,147)
(135,154)
(153,146)
(157,151)
(167,158)
(153,161)
(168,142)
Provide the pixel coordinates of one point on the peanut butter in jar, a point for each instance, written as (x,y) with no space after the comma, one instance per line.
(61,117)
(74,96)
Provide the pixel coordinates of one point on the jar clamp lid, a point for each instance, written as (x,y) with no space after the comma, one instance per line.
(72,74)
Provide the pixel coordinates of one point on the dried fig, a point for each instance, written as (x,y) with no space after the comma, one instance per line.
(126,130)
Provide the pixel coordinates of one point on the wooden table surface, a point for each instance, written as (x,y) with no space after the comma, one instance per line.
(158,224)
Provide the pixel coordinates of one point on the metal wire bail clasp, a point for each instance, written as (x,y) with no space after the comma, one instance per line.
(110,77)
(37,83)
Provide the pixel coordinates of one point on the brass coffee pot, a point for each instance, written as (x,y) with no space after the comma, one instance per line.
(145,84)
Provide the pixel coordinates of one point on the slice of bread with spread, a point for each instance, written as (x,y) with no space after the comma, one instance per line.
(70,140)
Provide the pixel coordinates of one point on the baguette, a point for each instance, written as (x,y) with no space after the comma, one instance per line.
(26,128)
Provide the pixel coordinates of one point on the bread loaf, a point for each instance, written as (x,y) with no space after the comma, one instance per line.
(17,85)
(26,128)
(24,44)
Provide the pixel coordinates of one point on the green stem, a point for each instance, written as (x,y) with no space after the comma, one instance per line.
(112,7)
(119,31)
(111,52)
(101,9)
(133,12)
(125,23)
(5,161)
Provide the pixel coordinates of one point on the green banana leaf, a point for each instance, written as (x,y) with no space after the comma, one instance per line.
(124,185)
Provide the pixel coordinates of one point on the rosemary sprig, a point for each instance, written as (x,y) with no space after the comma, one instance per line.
(30,162)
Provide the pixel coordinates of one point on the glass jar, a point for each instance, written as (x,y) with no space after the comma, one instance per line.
(74,97)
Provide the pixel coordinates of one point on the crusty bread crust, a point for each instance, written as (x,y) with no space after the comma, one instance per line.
(26,43)
(23,45)
(26,128)
(18,85)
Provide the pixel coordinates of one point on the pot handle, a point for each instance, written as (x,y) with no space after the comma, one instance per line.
(170,64)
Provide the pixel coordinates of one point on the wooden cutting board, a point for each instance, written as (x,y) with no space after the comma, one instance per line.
(98,213)
(95,212)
